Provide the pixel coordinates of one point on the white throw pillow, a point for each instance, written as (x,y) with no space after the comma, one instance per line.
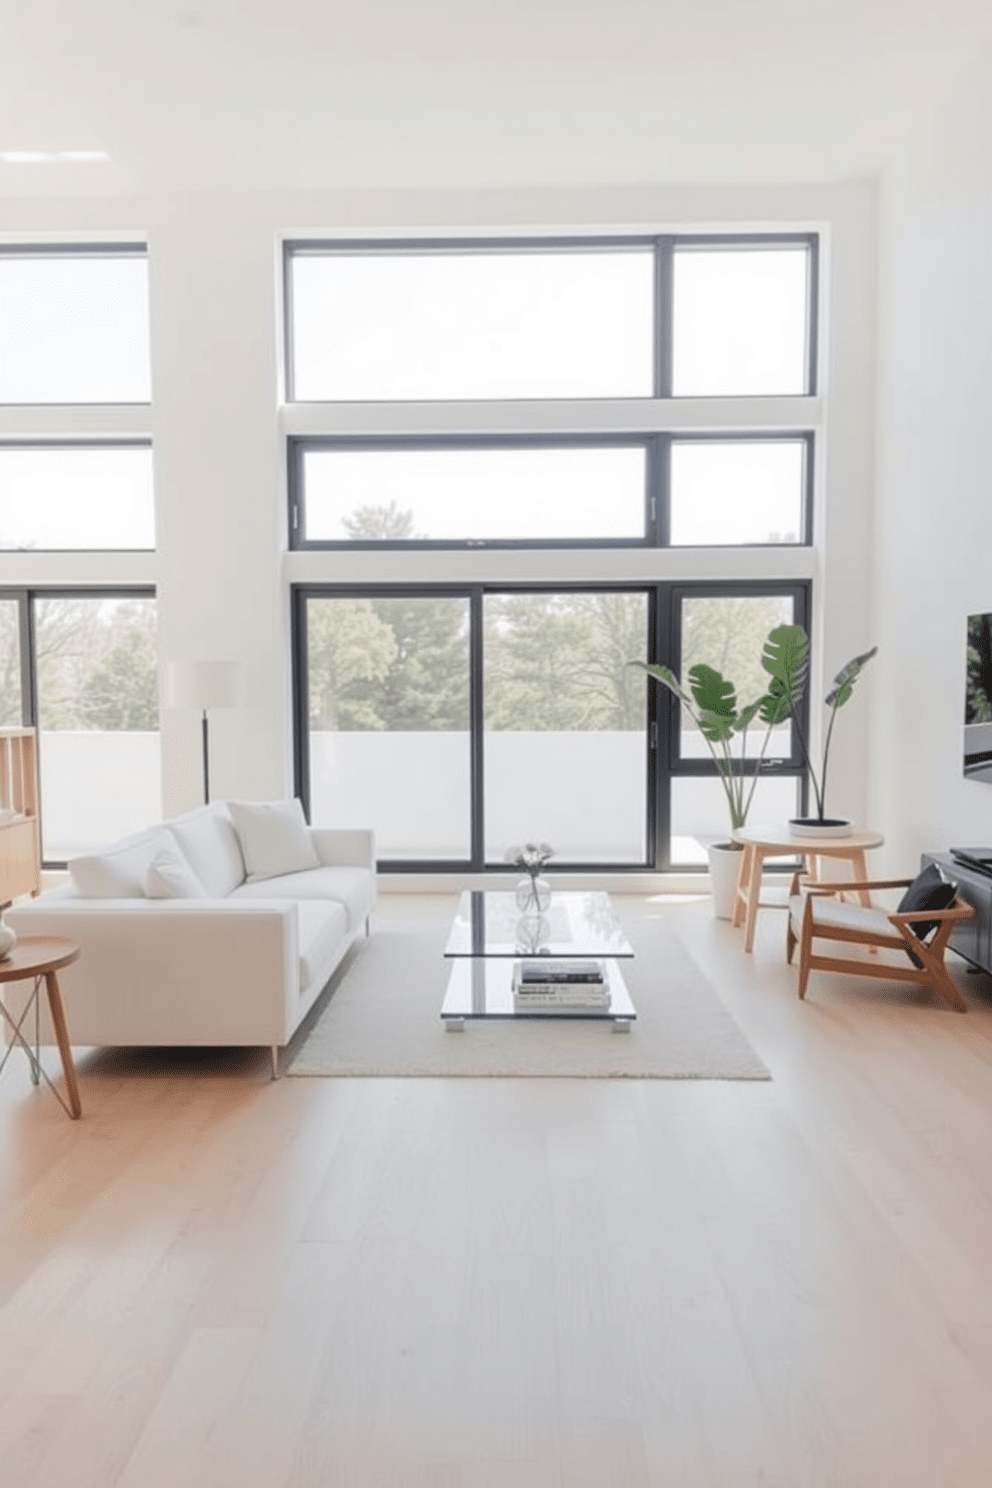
(119,871)
(274,837)
(169,876)
(209,843)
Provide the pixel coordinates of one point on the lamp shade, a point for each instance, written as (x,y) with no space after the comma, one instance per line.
(202,684)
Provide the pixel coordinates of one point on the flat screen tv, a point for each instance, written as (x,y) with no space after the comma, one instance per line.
(978,700)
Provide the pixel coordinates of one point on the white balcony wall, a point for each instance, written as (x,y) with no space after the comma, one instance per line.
(583,793)
(96,787)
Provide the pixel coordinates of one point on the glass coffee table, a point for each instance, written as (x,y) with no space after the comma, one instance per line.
(489,935)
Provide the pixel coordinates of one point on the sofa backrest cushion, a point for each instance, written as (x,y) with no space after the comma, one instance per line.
(169,876)
(274,838)
(119,871)
(209,844)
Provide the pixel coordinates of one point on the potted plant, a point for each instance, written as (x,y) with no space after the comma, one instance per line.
(786,659)
(711,702)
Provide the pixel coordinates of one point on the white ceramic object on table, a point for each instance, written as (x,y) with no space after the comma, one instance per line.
(833,827)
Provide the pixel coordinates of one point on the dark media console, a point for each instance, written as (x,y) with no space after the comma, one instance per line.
(972,939)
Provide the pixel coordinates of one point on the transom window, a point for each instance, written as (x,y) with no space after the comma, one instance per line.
(652,490)
(74,325)
(62,496)
(644,317)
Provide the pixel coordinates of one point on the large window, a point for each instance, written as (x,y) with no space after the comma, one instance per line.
(459,722)
(614,439)
(78,652)
(82,666)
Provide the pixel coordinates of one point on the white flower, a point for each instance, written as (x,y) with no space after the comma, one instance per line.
(531,857)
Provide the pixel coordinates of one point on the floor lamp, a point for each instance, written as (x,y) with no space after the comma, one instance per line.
(203,685)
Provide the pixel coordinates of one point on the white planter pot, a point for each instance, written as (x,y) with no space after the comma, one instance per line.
(725,862)
(801,826)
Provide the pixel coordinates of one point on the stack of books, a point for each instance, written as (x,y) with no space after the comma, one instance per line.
(559,986)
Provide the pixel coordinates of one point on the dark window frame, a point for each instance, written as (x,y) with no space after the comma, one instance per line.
(662,245)
(657,510)
(475,593)
(90,250)
(805,437)
(25,595)
(662,761)
(300,445)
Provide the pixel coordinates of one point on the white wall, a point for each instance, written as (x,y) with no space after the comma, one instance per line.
(934,532)
(222,571)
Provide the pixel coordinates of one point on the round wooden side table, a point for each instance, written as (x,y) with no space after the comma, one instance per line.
(760,843)
(41,957)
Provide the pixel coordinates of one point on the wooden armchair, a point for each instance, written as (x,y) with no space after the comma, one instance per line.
(818,913)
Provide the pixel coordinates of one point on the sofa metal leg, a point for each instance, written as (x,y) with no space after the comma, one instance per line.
(275,1061)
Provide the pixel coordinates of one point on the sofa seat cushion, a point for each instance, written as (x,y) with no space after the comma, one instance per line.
(119,871)
(210,845)
(321,927)
(352,887)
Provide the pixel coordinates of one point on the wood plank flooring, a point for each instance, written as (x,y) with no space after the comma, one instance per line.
(213,1280)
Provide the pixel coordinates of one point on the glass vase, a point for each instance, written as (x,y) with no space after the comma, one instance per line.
(533,894)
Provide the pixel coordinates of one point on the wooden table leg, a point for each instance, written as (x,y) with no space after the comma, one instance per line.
(65,1048)
(743,879)
(753,895)
(859,872)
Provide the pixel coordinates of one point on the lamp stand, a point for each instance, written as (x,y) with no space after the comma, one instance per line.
(206,760)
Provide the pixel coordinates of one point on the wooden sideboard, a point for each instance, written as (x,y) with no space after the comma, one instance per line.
(20,843)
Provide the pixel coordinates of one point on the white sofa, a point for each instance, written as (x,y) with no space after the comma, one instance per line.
(235,954)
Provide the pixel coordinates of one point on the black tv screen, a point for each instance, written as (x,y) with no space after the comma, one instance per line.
(978,700)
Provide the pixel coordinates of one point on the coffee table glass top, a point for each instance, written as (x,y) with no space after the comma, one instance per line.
(575,924)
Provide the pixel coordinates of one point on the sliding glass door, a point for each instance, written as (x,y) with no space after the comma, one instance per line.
(387,736)
(565,746)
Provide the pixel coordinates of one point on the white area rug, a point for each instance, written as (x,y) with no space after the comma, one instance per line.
(383,1017)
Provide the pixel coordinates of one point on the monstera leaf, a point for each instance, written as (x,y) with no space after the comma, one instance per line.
(843,684)
(776,705)
(716,701)
(786,658)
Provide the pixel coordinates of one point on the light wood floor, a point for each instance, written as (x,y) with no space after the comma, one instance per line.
(216,1280)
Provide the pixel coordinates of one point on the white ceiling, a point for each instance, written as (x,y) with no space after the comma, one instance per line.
(501,93)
